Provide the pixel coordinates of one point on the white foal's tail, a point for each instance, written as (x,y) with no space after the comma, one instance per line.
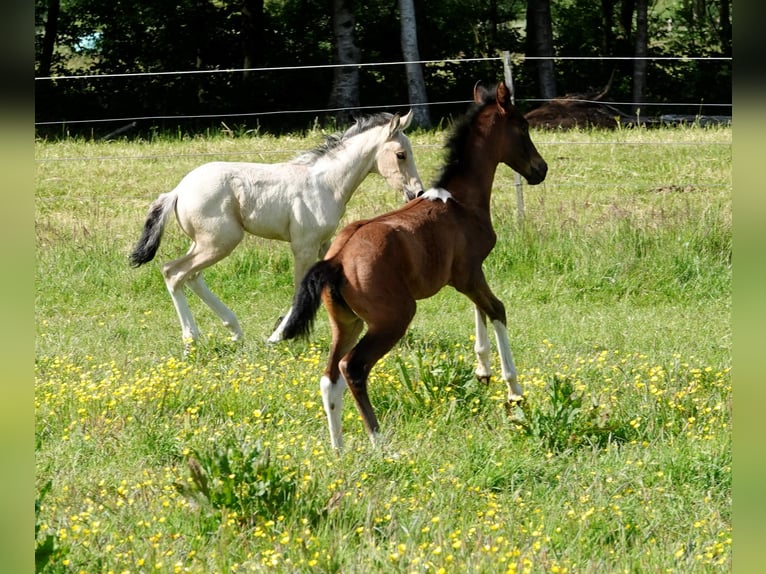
(149,242)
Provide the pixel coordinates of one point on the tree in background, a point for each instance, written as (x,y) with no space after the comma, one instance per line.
(540,44)
(48,41)
(416,85)
(344,95)
(91,37)
(252,21)
(641,52)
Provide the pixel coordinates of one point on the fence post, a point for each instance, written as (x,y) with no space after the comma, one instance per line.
(507,72)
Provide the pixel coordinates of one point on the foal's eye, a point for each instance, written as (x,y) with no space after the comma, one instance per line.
(401,155)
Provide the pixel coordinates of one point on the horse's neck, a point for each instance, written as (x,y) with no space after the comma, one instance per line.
(346,171)
(479,170)
(473,185)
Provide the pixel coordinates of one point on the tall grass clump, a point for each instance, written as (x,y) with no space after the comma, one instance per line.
(235,478)
(617,291)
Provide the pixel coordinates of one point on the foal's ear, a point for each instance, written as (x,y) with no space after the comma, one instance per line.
(406,120)
(479,93)
(503,98)
(394,125)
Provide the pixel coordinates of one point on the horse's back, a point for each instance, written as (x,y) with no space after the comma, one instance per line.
(257,197)
(221,174)
(411,249)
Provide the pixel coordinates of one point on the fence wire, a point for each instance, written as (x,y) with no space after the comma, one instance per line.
(517,58)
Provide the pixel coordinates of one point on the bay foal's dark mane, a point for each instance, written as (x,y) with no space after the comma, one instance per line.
(457,141)
(334,141)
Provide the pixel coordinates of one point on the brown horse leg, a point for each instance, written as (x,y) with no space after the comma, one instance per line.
(346,328)
(358,363)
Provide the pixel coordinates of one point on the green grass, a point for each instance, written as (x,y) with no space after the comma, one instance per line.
(617,288)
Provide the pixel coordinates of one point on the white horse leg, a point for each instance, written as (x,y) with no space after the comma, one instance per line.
(276,336)
(376,438)
(332,399)
(481,346)
(199,287)
(189,331)
(304,255)
(179,272)
(515,392)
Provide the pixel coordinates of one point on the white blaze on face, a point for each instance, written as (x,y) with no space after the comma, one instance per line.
(437,193)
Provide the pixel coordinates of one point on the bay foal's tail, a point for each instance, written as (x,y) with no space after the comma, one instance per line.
(308,297)
(149,242)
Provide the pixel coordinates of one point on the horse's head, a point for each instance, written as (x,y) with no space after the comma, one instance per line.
(517,150)
(395,161)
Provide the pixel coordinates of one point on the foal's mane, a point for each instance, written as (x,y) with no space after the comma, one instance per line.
(457,141)
(334,141)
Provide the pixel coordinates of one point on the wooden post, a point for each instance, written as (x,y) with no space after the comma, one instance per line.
(507,72)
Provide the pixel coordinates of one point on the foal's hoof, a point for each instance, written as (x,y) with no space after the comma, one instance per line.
(513,402)
(276,335)
(275,338)
(190,347)
(483,379)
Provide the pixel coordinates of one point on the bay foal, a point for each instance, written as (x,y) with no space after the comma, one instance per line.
(376,269)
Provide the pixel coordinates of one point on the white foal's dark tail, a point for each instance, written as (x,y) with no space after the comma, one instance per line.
(308,297)
(149,242)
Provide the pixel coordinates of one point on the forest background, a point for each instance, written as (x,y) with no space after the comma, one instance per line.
(307,55)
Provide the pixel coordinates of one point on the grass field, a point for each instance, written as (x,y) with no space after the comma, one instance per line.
(617,287)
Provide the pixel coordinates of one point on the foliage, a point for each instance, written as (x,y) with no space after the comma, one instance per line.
(430,380)
(113,38)
(563,421)
(47,548)
(237,476)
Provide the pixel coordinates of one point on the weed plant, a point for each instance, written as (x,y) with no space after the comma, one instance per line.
(617,289)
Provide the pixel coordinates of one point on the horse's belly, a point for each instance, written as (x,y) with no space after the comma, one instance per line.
(267,229)
(426,290)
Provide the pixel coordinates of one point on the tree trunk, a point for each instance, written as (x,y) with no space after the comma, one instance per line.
(627,7)
(49,40)
(416,85)
(639,64)
(199,25)
(725,27)
(607,35)
(607,18)
(345,87)
(699,11)
(252,34)
(540,44)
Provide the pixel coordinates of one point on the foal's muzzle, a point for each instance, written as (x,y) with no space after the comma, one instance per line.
(411,193)
(537,173)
